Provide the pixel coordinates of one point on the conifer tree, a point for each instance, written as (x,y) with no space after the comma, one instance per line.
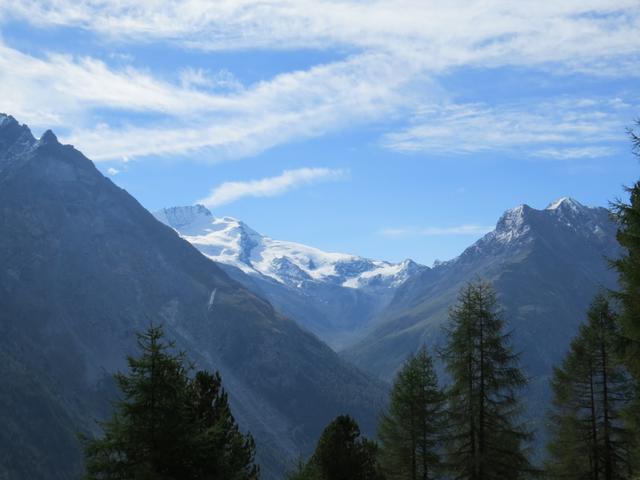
(591,390)
(627,216)
(222,450)
(303,471)
(168,426)
(411,430)
(486,442)
(342,454)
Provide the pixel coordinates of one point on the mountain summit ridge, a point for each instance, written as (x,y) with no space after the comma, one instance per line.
(284,261)
(523,224)
(545,264)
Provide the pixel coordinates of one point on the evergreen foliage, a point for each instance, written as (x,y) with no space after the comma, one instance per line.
(627,216)
(486,442)
(591,390)
(223,451)
(341,454)
(304,471)
(628,266)
(411,430)
(168,426)
(297,473)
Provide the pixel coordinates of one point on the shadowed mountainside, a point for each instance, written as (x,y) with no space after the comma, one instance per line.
(546,266)
(84,267)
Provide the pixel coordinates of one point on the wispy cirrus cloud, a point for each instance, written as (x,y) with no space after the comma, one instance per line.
(54,88)
(229,192)
(575,153)
(234,121)
(448,33)
(561,129)
(467,229)
(387,61)
(202,78)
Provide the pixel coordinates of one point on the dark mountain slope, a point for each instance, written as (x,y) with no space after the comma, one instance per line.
(546,265)
(84,266)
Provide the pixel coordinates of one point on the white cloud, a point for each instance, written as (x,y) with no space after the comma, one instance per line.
(271,186)
(291,106)
(551,128)
(446,32)
(195,77)
(397,48)
(468,229)
(199,77)
(112,171)
(52,89)
(62,91)
(575,153)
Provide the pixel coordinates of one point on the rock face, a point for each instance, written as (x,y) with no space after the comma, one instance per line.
(84,267)
(334,295)
(546,266)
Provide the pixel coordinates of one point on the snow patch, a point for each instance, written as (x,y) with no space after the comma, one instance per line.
(230,241)
(512,225)
(566,202)
(188,217)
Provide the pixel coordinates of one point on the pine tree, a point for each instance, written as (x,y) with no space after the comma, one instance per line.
(342,454)
(627,216)
(303,471)
(411,430)
(485,440)
(591,390)
(168,426)
(223,451)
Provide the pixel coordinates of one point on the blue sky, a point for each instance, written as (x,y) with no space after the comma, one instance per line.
(388,129)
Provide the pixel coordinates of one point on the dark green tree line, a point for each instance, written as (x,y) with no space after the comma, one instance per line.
(591,390)
(627,216)
(341,454)
(169,426)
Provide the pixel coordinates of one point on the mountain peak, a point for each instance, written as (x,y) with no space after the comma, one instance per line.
(565,203)
(521,225)
(48,138)
(513,220)
(6,119)
(184,216)
(230,241)
(14,139)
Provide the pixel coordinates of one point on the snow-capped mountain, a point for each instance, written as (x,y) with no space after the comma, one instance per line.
(347,290)
(232,242)
(562,219)
(516,223)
